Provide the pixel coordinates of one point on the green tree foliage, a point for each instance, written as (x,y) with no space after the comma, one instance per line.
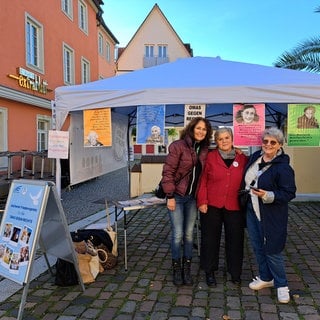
(305,56)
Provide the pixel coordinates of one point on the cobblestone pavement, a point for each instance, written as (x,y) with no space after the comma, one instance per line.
(146,291)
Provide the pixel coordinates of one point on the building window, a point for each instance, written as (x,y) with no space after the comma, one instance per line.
(100,44)
(68,65)
(43,127)
(66,6)
(83,16)
(85,70)
(34,44)
(149,51)
(108,51)
(162,51)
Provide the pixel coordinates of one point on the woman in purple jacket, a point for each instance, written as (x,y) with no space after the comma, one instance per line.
(180,176)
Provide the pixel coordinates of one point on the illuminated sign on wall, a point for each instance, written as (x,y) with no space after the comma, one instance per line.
(30,81)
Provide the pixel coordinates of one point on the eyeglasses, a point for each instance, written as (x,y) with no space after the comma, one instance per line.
(272,142)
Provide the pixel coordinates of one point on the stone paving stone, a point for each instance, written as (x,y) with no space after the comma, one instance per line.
(198,312)
(50,316)
(90,314)
(289,316)
(59,306)
(179,311)
(129,306)
(183,300)
(145,290)
(147,306)
(271,316)
(216,313)
(234,314)
(312,317)
(108,313)
(252,314)
(159,316)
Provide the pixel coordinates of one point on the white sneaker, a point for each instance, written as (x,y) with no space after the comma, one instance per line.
(258,284)
(283,294)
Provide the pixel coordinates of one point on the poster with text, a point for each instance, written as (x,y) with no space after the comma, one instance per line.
(58,144)
(150,124)
(192,111)
(97,127)
(248,124)
(303,125)
(18,229)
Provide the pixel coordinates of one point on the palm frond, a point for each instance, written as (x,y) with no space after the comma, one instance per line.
(306,56)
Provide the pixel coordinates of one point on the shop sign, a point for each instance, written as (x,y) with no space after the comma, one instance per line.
(30,81)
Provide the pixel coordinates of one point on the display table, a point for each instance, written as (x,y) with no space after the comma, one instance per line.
(132,206)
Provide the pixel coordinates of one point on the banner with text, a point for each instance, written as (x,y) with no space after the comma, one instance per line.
(303,125)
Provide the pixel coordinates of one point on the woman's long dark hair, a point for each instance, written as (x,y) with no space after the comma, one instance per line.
(189,130)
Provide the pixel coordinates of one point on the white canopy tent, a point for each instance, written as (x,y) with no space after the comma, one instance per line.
(197,80)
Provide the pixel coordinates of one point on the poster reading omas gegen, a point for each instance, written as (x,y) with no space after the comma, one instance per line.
(303,125)
(18,228)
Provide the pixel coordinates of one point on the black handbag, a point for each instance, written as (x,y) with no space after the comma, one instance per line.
(66,274)
(159,193)
(96,236)
(243,197)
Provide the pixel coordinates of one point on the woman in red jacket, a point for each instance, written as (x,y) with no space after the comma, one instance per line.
(217,201)
(181,171)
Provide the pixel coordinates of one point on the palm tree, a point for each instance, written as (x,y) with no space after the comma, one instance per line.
(305,56)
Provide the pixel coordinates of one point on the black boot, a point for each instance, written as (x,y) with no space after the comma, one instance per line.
(210,279)
(186,272)
(177,272)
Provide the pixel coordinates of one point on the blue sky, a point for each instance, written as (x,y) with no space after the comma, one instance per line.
(252,31)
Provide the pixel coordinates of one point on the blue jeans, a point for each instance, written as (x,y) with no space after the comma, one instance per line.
(182,220)
(271,266)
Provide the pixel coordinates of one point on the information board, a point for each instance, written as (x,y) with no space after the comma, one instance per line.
(20,228)
(33,219)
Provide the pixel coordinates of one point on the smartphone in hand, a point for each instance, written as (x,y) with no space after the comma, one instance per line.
(254,188)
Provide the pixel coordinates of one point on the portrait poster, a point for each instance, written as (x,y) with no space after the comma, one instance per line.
(303,125)
(192,111)
(248,124)
(97,128)
(58,144)
(18,229)
(150,124)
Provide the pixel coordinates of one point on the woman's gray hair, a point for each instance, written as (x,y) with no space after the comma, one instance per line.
(222,130)
(275,133)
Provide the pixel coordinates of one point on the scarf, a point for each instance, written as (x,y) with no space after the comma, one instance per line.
(227,155)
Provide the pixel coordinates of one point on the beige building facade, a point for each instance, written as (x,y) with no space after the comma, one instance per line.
(154,43)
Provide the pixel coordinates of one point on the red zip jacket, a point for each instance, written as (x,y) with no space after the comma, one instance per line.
(219,184)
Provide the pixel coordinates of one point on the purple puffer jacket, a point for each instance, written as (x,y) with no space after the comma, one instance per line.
(180,162)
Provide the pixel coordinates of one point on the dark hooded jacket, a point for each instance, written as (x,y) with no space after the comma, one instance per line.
(179,172)
(280,179)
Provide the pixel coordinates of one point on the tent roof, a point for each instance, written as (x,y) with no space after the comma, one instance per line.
(197,80)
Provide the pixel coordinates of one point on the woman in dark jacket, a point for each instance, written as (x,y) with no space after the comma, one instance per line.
(180,176)
(272,183)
